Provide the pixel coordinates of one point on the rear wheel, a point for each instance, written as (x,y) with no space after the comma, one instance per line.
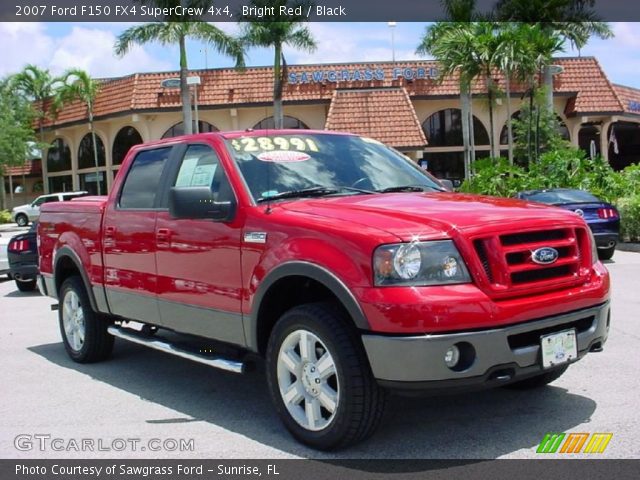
(606,253)
(320,380)
(539,380)
(22,220)
(84,332)
(26,285)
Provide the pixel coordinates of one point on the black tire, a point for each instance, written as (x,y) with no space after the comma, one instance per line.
(97,343)
(22,220)
(539,380)
(360,401)
(606,253)
(26,286)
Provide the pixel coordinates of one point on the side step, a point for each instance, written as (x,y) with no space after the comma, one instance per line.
(157,344)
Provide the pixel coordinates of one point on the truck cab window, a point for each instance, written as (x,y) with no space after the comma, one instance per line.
(201,168)
(143,180)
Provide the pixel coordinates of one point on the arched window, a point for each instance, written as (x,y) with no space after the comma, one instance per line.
(444,129)
(85,152)
(58,156)
(562,129)
(588,135)
(178,129)
(126,138)
(287,122)
(444,155)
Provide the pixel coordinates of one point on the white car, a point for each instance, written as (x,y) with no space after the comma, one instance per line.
(29,212)
(4,261)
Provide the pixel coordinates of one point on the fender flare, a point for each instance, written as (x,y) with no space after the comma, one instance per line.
(66,252)
(315,272)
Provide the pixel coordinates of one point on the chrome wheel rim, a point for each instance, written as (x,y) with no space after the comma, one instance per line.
(73,320)
(308,380)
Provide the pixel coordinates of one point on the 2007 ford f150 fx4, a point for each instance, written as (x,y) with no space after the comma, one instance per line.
(334,257)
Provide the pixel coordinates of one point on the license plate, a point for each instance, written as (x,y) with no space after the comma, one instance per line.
(558,348)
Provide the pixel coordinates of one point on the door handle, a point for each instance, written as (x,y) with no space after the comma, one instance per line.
(163,234)
(109,231)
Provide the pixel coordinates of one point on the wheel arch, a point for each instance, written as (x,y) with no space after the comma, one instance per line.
(313,281)
(66,264)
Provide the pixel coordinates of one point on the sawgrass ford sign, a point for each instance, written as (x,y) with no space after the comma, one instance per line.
(360,75)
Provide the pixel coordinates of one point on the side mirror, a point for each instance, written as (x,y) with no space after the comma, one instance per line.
(198,202)
(447,184)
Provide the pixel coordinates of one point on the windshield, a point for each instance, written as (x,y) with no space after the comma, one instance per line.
(557,197)
(281,166)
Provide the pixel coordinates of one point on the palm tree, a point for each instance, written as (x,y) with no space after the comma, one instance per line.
(574,21)
(515,57)
(79,86)
(453,46)
(37,85)
(176,32)
(272,31)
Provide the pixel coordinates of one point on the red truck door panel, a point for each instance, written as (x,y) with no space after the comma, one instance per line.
(129,240)
(198,261)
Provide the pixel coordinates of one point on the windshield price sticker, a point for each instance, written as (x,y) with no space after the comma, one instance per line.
(266,144)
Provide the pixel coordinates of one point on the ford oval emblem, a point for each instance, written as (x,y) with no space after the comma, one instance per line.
(544,255)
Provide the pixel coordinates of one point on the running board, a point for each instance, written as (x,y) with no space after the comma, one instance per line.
(215,362)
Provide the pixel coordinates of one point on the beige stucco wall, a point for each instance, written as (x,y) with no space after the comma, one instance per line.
(152,126)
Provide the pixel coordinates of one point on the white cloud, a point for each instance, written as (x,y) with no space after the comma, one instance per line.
(620,55)
(91,49)
(23,43)
(85,47)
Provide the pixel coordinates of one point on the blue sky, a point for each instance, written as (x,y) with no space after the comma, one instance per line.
(59,46)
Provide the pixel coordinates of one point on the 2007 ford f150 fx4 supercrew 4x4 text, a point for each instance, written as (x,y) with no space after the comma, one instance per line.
(334,257)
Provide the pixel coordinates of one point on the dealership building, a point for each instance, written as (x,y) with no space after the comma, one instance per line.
(403,104)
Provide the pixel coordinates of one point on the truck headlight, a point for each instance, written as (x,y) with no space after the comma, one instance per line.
(419,264)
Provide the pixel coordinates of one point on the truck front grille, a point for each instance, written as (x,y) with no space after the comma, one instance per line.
(529,339)
(508,265)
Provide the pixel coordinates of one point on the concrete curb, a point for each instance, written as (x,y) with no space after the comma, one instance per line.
(628,247)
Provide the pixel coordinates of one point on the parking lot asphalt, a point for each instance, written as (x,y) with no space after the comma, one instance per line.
(143,394)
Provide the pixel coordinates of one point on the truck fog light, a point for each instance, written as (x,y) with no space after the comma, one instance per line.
(452,356)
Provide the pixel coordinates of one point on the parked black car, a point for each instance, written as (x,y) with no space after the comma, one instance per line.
(23,259)
(602,217)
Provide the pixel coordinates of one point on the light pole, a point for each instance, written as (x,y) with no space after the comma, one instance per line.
(392,27)
(195,81)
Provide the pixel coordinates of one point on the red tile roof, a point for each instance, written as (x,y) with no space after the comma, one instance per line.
(630,98)
(582,80)
(30,167)
(383,114)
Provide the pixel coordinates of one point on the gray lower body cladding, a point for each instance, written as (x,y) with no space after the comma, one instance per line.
(497,356)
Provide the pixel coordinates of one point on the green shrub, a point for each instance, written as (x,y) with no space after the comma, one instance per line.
(629,208)
(5,216)
(496,177)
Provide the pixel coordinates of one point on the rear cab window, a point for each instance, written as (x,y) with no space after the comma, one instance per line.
(143,181)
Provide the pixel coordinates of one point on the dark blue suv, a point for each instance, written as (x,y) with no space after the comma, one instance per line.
(602,217)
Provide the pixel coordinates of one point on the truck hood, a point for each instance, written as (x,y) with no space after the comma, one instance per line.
(433,215)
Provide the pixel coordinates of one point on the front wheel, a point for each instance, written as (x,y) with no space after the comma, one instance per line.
(84,332)
(320,380)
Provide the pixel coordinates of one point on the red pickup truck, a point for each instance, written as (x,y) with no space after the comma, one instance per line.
(335,258)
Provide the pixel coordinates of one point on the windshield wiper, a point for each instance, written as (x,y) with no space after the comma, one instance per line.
(409,188)
(303,192)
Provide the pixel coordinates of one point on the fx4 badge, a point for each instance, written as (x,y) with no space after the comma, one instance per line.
(544,255)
